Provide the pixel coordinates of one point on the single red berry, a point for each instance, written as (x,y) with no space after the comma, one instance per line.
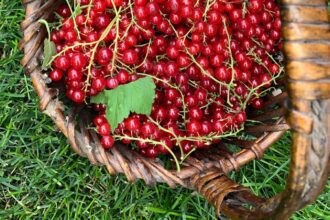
(152,152)
(78,61)
(70,36)
(165,146)
(196,113)
(101,21)
(142,144)
(173,113)
(132,124)
(257,103)
(99,5)
(193,127)
(99,119)
(160,114)
(68,24)
(123,76)
(62,62)
(148,129)
(98,83)
(114,3)
(56,75)
(112,83)
(74,74)
(104,129)
(240,117)
(187,146)
(78,96)
(219,126)
(107,142)
(130,57)
(206,127)
(63,10)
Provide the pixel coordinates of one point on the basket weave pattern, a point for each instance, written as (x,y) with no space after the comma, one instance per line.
(304,108)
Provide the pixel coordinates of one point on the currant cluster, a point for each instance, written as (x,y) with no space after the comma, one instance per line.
(210,61)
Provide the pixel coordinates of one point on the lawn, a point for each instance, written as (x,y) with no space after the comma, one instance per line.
(41,177)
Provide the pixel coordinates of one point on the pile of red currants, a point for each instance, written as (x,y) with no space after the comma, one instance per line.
(210,61)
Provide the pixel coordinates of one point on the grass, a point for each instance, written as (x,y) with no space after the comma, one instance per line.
(41,178)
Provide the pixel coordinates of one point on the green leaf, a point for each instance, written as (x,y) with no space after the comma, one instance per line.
(49,52)
(77,11)
(137,96)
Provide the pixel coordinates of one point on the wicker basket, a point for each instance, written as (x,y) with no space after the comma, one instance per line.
(306,105)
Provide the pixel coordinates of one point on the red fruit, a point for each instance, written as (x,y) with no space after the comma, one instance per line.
(104,129)
(64,11)
(99,5)
(274,68)
(200,94)
(55,37)
(183,60)
(99,119)
(152,152)
(123,76)
(131,40)
(160,114)
(257,103)
(140,2)
(175,18)
(266,80)
(92,37)
(193,127)
(112,83)
(62,62)
(214,17)
(132,124)
(152,8)
(188,51)
(173,113)
(142,144)
(168,145)
(187,146)
(216,60)
(206,127)
(78,61)
(190,100)
(172,52)
(68,24)
(255,6)
(171,94)
(107,142)
(173,5)
(223,74)
(130,57)
(114,3)
(78,96)
(56,75)
(219,126)
(126,141)
(70,36)
(148,129)
(98,83)
(240,117)
(103,56)
(140,12)
(74,74)
(195,113)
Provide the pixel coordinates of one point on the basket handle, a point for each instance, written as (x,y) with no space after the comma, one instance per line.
(306,30)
